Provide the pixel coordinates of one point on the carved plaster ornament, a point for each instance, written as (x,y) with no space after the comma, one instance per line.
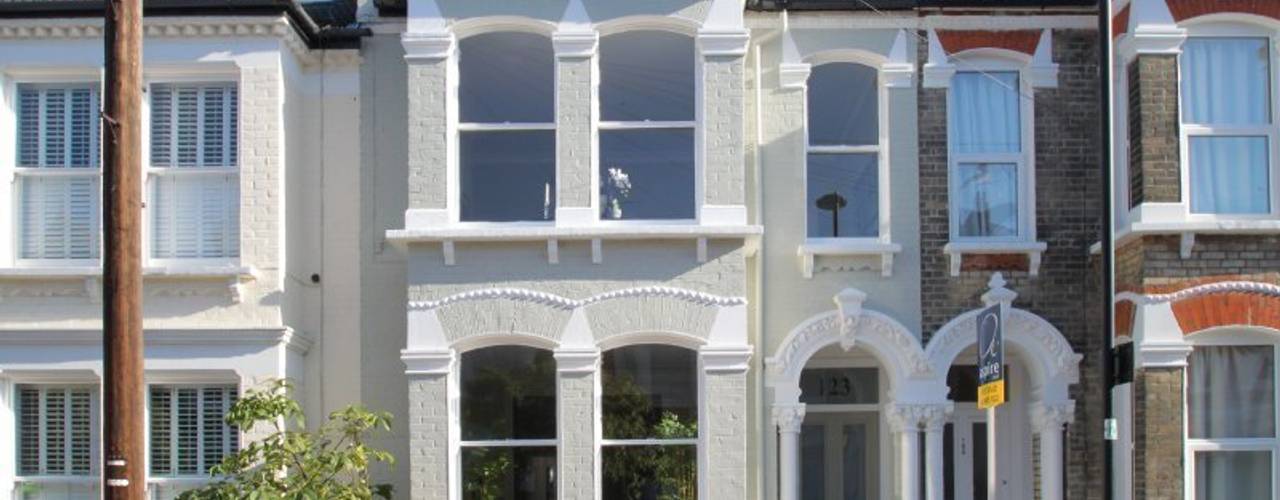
(789,418)
(849,303)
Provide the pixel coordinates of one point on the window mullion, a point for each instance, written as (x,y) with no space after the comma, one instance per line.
(42,465)
(67,434)
(200,428)
(173,430)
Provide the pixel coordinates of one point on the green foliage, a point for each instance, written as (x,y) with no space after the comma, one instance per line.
(487,471)
(292,463)
(637,470)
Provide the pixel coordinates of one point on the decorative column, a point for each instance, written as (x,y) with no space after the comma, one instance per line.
(789,419)
(935,419)
(577,386)
(1047,420)
(722,426)
(577,192)
(432,107)
(904,421)
(431,396)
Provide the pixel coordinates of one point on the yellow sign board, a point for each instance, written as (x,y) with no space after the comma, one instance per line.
(991,395)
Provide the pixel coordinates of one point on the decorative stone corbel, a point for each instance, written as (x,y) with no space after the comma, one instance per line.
(1051,417)
(428,46)
(849,303)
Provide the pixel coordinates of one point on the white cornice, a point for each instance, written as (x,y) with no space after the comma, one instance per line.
(565,303)
(575,44)
(162,337)
(428,46)
(723,43)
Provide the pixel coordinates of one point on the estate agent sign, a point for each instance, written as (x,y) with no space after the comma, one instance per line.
(990,358)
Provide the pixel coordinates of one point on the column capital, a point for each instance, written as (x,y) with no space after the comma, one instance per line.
(935,416)
(794,76)
(723,42)
(907,417)
(427,362)
(789,417)
(577,361)
(575,44)
(428,46)
(725,358)
(1051,417)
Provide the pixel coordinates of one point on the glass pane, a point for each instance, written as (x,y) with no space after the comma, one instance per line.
(650,472)
(855,462)
(1229,175)
(516,473)
(506,77)
(840,386)
(59,217)
(508,392)
(979,437)
(650,391)
(1225,81)
(508,176)
(843,195)
(813,462)
(843,105)
(1233,475)
(986,201)
(948,462)
(646,174)
(1231,392)
(646,75)
(986,115)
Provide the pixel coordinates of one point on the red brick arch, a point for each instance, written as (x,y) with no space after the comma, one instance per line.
(1187,9)
(1227,309)
(1024,41)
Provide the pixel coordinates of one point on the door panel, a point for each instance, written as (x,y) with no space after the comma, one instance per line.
(839,457)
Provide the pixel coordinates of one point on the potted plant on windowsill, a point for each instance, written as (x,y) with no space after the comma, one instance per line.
(617,188)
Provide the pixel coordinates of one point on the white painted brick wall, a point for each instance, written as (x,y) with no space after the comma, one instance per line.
(428,133)
(428,437)
(723,130)
(726,420)
(577,431)
(574,141)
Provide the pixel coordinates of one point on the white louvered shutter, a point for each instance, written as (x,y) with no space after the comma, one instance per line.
(188,432)
(58,158)
(56,431)
(196,193)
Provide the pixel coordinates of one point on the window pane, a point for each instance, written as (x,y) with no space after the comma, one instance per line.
(986,201)
(515,473)
(195,217)
(840,386)
(813,462)
(58,127)
(650,472)
(855,462)
(506,77)
(844,196)
(650,391)
(1226,81)
(194,125)
(1229,175)
(508,176)
(508,392)
(1233,475)
(646,75)
(843,105)
(1231,392)
(646,174)
(986,116)
(60,217)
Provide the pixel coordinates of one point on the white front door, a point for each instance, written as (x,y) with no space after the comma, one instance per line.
(965,454)
(840,456)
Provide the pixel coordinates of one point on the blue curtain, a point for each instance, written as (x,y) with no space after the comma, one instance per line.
(1229,175)
(986,115)
(1225,81)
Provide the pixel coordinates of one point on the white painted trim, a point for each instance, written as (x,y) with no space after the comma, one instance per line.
(643,230)
(561,302)
(847,247)
(1250,287)
(957,250)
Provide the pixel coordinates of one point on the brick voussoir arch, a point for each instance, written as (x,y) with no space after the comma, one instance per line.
(1217,304)
(1022,41)
(1187,9)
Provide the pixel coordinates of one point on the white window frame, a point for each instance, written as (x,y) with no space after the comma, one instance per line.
(94,434)
(10,81)
(694,125)
(200,431)
(1240,337)
(881,149)
(1270,130)
(1025,159)
(457,127)
(152,175)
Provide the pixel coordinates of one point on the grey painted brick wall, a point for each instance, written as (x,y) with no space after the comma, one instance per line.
(726,404)
(428,437)
(574,142)
(1153,130)
(428,144)
(577,450)
(724,130)
(1068,212)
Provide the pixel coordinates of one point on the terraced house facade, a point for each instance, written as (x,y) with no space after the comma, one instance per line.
(612,249)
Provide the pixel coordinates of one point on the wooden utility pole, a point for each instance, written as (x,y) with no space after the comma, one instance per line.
(124,477)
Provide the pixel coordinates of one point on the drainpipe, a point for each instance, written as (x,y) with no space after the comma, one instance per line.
(1108,244)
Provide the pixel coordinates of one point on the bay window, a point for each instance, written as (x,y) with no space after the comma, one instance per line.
(1227,124)
(647,126)
(58,173)
(650,412)
(188,430)
(989,166)
(508,422)
(843,172)
(1231,421)
(507,137)
(194,174)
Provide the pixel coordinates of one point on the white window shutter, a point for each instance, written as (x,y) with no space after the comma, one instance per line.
(29,432)
(189,434)
(161,431)
(59,217)
(55,431)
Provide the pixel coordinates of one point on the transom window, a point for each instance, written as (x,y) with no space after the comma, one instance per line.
(843,171)
(1231,421)
(194,174)
(56,429)
(58,173)
(647,126)
(188,430)
(988,164)
(508,417)
(1227,123)
(650,410)
(507,138)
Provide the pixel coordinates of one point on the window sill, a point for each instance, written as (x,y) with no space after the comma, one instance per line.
(552,235)
(837,247)
(1033,250)
(233,275)
(1171,218)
